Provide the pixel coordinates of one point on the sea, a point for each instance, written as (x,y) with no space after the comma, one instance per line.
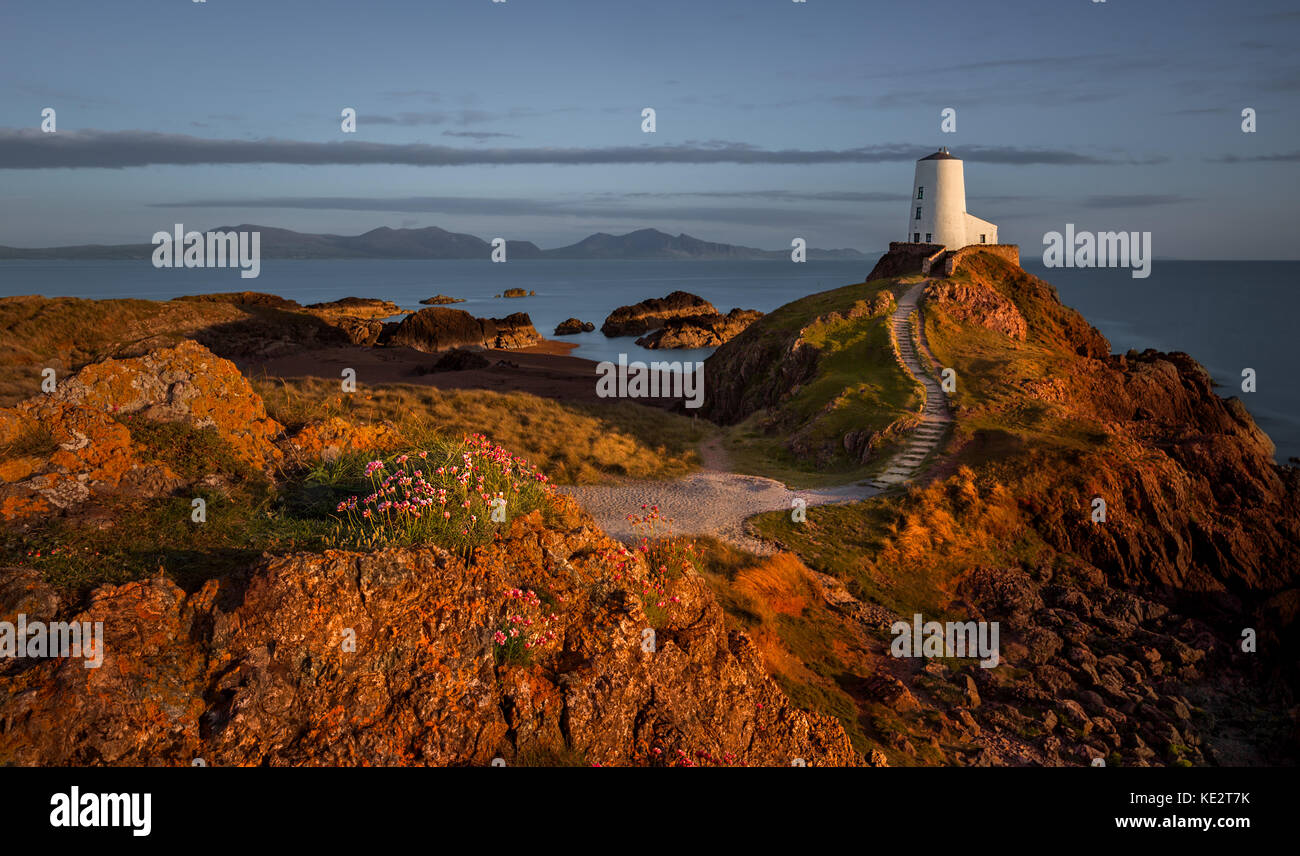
(1229,315)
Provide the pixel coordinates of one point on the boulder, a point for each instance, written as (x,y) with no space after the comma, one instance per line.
(700,331)
(573,326)
(640,318)
(437,329)
(91,451)
(513,331)
(440,328)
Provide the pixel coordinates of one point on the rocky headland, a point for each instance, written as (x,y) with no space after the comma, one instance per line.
(282,628)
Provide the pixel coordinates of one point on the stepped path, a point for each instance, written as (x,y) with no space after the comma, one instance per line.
(935,417)
(716,501)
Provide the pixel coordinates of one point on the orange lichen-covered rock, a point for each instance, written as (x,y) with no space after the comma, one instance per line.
(397,657)
(86,449)
(185,383)
(327,439)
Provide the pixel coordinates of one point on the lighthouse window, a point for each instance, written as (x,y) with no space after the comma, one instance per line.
(916,237)
(927,237)
(981,239)
(918,213)
(920,193)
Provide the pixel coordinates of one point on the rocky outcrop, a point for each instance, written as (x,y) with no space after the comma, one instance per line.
(700,331)
(357,307)
(243,298)
(974,303)
(91,447)
(518,292)
(513,331)
(393,658)
(441,300)
(640,318)
(439,328)
(572,326)
(767,363)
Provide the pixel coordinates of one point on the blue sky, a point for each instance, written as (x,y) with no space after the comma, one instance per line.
(774,119)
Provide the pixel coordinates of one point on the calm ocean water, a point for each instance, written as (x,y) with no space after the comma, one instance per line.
(1228,315)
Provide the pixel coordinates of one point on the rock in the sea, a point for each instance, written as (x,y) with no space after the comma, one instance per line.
(359,307)
(700,331)
(572,326)
(516,330)
(518,292)
(640,318)
(243,298)
(439,328)
(441,300)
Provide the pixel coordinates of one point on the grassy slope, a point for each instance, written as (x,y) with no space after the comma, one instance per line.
(859,387)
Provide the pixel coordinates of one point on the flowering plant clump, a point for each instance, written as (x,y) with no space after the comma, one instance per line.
(528,627)
(666,558)
(448,495)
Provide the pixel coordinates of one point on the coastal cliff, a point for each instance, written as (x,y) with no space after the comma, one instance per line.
(1127,635)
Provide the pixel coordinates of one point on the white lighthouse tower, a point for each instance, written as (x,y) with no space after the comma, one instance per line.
(937,214)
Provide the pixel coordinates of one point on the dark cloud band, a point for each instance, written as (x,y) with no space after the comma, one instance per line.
(31,149)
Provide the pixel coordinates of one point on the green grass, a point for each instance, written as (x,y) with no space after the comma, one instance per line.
(191,452)
(146,537)
(859,386)
(422,497)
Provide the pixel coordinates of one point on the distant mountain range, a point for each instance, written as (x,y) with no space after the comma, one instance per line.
(435,243)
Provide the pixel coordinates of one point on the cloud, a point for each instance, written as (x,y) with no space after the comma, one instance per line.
(1135,200)
(477,135)
(779,195)
(406,118)
(31,149)
(1281,157)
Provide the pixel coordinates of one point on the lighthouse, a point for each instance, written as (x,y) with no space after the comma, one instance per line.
(937,214)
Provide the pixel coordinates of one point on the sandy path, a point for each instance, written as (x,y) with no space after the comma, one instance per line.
(717,501)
